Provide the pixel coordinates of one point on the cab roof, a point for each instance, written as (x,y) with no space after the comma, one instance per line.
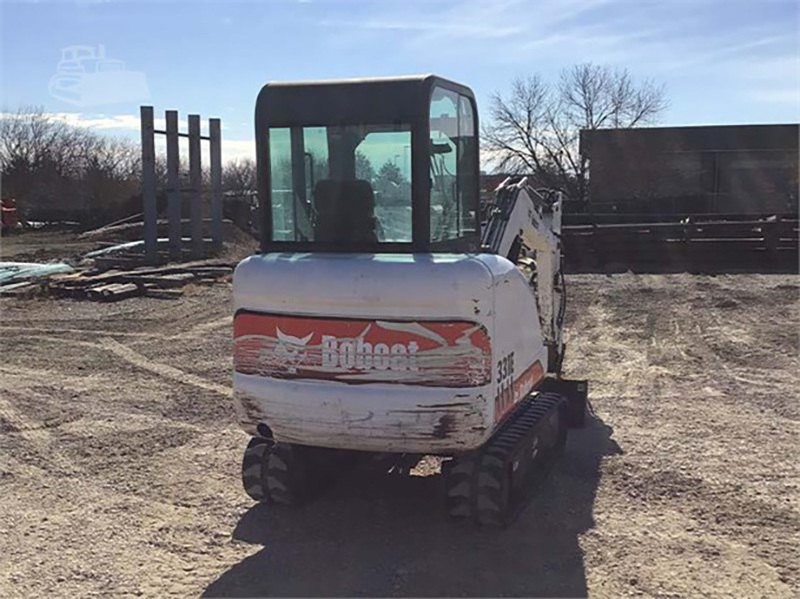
(350,101)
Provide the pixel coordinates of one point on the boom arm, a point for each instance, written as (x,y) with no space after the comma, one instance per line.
(525,227)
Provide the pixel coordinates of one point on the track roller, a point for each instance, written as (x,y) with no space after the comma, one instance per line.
(492,485)
(289,474)
(254,468)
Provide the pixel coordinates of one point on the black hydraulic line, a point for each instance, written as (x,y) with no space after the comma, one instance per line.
(498,220)
(563,307)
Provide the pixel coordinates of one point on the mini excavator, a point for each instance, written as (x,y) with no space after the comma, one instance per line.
(382,316)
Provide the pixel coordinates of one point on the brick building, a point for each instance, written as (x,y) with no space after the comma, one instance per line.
(750,169)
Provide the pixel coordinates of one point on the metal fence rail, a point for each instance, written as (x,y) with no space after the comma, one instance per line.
(614,218)
(712,246)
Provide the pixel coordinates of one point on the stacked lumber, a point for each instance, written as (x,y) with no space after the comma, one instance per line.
(21,279)
(164,282)
(21,289)
(112,291)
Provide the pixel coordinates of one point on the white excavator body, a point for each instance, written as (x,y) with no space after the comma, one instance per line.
(420,353)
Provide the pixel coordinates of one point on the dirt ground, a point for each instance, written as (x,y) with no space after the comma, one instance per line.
(43,246)
(119,461)
(49,245)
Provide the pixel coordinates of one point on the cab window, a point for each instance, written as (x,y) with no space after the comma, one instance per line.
(341,185)
(453,151)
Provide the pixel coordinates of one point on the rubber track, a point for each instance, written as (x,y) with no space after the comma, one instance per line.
(284,475)
(289,474)
(254,468)
(479,486)
(273,473)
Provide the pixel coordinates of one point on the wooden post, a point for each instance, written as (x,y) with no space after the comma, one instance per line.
(173,186)
(215,142)
(149,209)
(195,182)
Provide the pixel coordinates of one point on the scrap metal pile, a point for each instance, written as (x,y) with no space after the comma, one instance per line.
(93,283)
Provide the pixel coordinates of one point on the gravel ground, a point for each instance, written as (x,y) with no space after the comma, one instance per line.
(119,461)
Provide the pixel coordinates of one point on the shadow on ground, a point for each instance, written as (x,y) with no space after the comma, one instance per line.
(383,535)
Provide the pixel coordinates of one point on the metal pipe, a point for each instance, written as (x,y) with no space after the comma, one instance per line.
(195,180)
(215,136)
(173,185)
(149,208)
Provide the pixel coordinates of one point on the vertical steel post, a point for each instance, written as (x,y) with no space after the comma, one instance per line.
(196,183)
(149,209)
(173,186)
(299,169)
(215,146)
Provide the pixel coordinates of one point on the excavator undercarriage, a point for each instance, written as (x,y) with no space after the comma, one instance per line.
(489,486)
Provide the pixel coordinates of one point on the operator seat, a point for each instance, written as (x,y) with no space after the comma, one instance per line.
(345,211)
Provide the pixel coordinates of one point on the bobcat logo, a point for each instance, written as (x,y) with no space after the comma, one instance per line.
(291,351)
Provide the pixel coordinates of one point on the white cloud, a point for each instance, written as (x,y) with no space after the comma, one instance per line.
(716,51)
(121,122)
(787,97)
(773,80)
(232,149)
(468,19)
(450,29)
(235,149)
(128,126)
(649,36)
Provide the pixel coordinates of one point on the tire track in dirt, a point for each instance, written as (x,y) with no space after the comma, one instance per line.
(133,357)
(733,515)
(82,452)
(72,331)
(33,438)
(12,420)
(197,331)
(161,369)
(203,328)
(709,372)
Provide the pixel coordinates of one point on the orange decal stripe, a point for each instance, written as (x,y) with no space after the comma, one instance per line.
(522,385)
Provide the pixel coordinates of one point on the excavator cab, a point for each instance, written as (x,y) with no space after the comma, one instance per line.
(376,319)
(375,165)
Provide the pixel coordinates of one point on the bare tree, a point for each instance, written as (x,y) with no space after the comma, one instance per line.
(59,171)
(536,128)
(239,176)
(240,182)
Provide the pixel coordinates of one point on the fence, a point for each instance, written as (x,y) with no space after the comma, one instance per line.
(174,192)
(734,244)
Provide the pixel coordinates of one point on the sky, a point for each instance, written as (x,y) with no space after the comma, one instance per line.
(721,61)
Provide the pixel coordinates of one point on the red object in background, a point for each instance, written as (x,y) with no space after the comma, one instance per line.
(8,213)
